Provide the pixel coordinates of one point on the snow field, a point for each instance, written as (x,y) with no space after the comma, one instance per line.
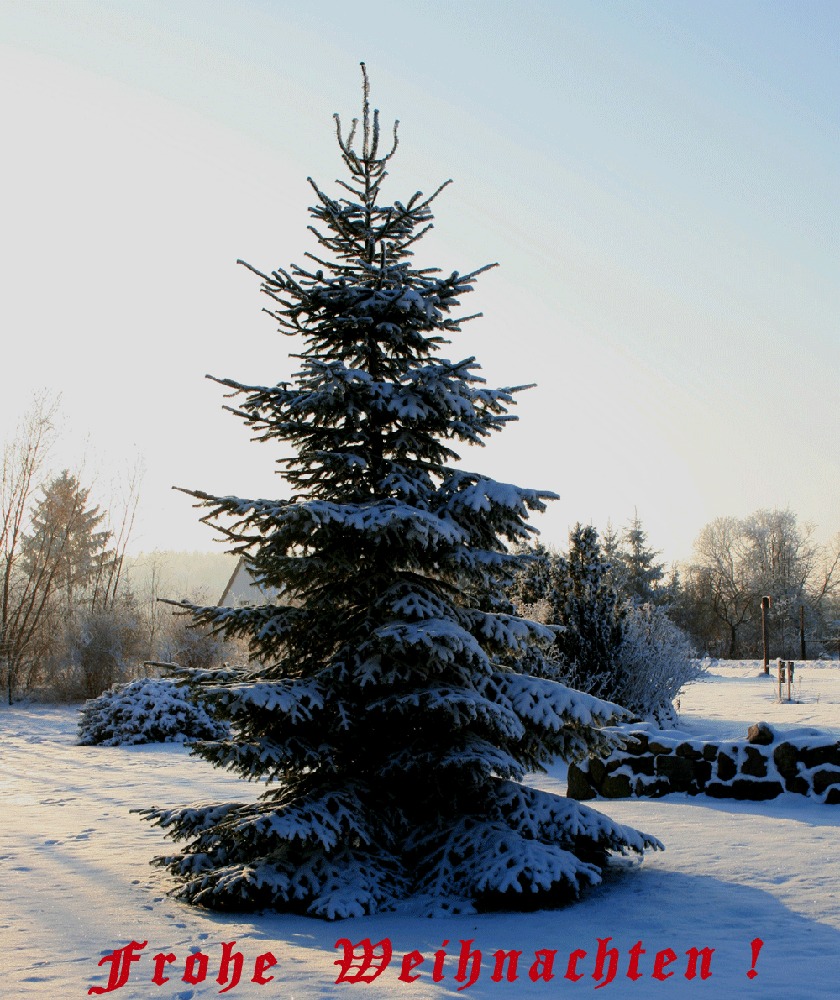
(75,882)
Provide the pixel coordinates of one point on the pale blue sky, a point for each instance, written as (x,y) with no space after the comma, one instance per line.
(659,182)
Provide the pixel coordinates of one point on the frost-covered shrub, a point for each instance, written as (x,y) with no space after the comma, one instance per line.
(655,660)
(88,651)
(150,710)
(102,646)
(195,647)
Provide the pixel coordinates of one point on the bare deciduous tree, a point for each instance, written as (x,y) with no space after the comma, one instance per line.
(721,552)
(24,596)
(739,561)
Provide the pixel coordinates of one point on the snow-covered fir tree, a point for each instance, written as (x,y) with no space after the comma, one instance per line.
(146,710)
(383,707)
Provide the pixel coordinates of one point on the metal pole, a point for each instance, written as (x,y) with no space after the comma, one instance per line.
(765,605)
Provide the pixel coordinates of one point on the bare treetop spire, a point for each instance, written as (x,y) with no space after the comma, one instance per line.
(370,136)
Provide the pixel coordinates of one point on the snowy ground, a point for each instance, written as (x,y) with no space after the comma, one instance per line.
(75,883)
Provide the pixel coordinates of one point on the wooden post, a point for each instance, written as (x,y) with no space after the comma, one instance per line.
(802,655)
(780,674)
(789,677)
(765,605)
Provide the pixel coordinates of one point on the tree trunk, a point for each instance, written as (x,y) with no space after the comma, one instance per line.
(733,642)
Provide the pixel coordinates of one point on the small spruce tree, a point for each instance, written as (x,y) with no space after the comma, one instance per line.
(383,702)
(640,576)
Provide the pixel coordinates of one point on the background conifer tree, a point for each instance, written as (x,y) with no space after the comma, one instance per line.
(67,537)
(640,575)
(382,702)
(587,605)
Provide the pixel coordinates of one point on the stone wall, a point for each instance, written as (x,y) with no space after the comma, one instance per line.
(761,766)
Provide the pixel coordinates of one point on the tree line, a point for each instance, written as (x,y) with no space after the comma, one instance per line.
(71,624)
(738,561)
(714,599)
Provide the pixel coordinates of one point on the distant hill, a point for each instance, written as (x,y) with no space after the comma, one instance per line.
(196,576)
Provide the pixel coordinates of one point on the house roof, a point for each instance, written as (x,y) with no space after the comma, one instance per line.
(243,589)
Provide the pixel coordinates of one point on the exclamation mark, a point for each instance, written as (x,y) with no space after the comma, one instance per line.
(755,944)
